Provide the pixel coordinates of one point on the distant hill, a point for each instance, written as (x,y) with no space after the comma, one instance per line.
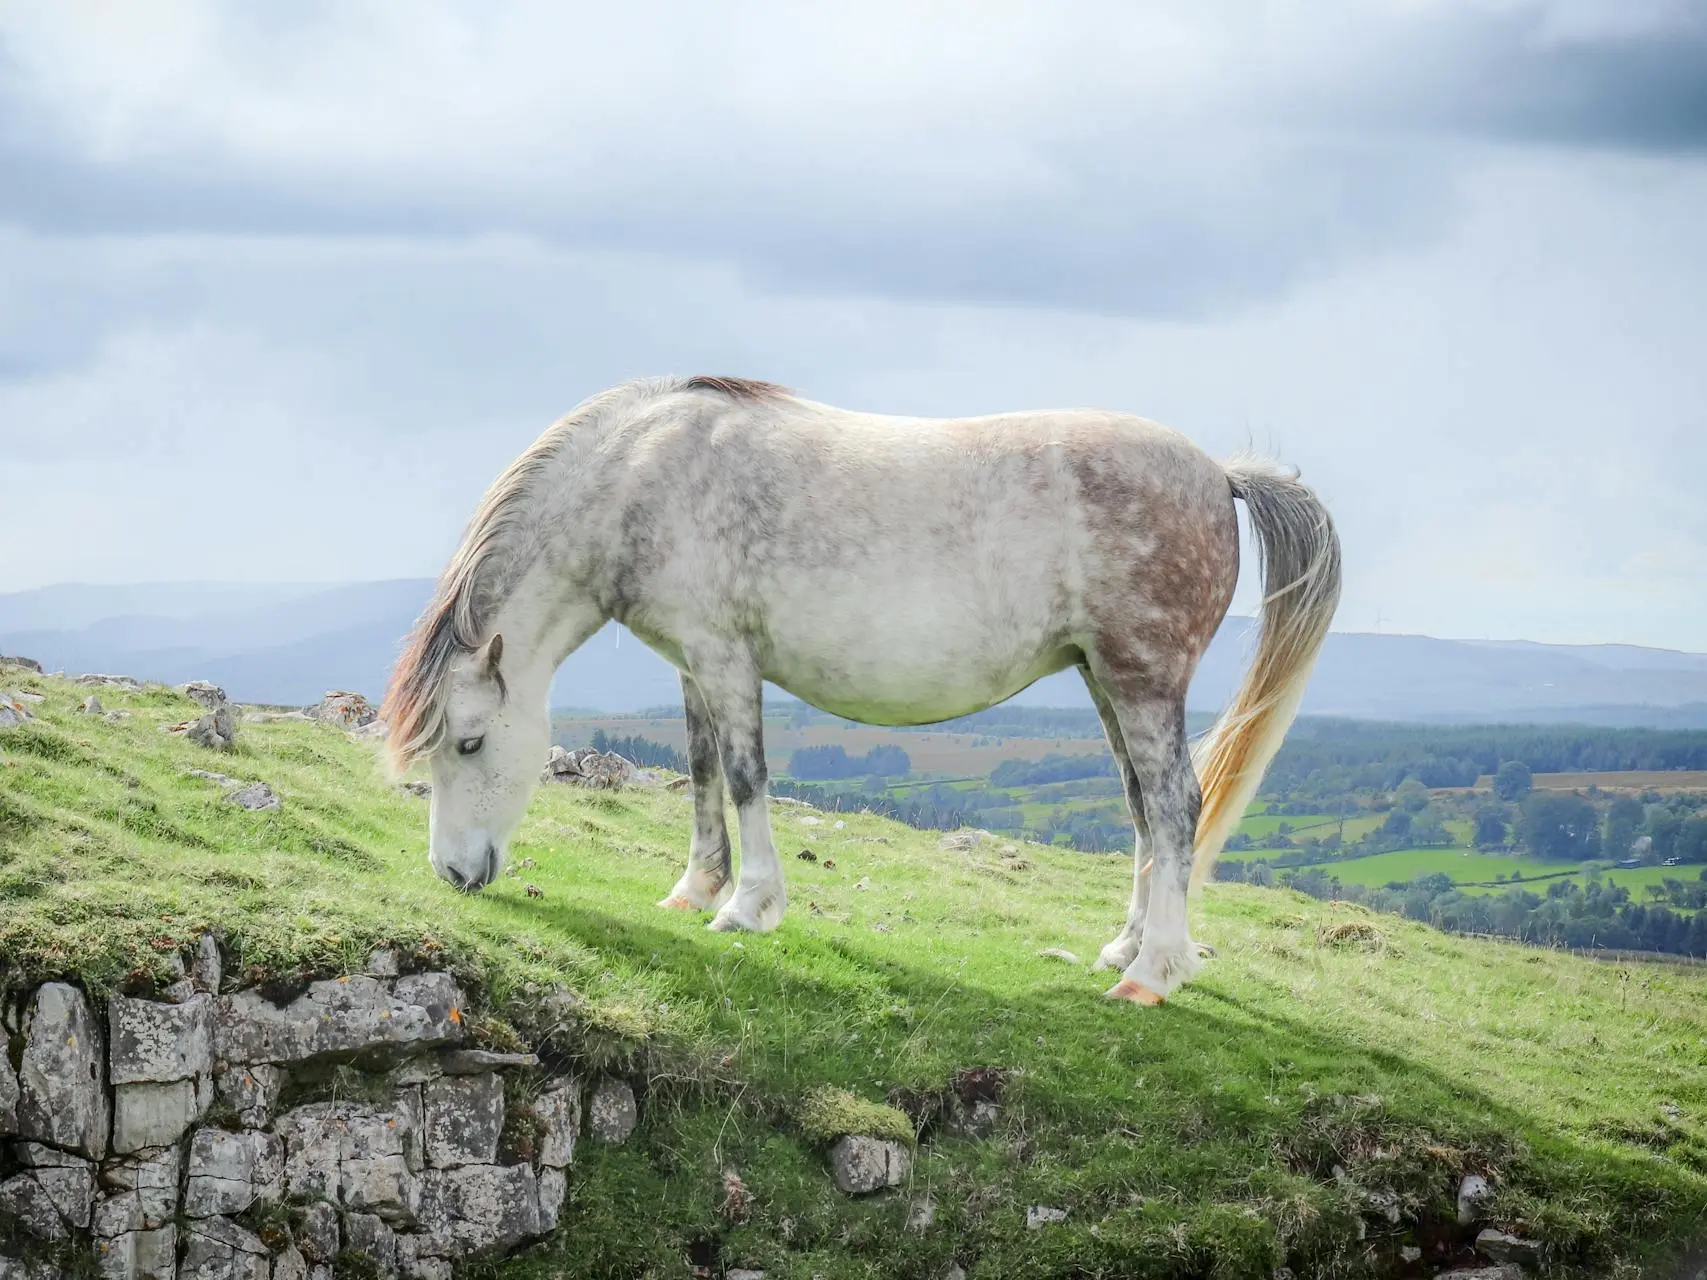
(289,643)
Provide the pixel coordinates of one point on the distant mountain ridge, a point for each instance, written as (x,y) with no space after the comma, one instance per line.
(289,643)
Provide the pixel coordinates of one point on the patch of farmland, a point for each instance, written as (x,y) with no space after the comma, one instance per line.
(1627,780)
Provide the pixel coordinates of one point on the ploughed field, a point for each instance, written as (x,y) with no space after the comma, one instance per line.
(1313,1100)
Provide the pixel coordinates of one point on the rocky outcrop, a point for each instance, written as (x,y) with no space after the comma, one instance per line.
(585,767)
(344,709)
(112,1142)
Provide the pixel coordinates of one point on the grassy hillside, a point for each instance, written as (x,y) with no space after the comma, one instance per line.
(1324,1056)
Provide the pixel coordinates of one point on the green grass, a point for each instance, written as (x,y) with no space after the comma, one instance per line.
(1200,1139)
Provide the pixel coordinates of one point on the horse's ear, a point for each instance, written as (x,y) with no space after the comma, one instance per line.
(494,652)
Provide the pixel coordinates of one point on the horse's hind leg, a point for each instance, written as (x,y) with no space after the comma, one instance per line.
(1153,727)
(1124,948)
(706,884)
(730,684)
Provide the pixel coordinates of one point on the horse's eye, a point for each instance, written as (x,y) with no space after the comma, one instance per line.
(468,746)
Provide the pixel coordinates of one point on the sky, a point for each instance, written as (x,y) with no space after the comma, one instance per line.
(284,286)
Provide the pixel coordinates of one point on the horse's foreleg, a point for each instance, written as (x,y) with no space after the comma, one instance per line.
(707,883)
(1154,733)
(1124,948)
(733,692)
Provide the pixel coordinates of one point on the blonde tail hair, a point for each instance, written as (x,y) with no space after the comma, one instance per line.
(1300,557)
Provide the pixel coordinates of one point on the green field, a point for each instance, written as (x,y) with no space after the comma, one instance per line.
(1324,1057)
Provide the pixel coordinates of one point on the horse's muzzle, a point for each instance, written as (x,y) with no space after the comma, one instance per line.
(487,873)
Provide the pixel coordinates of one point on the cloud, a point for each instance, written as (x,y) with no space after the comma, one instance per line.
(1099,157)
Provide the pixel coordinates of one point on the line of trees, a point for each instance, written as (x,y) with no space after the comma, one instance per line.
(642,751)
(825,763)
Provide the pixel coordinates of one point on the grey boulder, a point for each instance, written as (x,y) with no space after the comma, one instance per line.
(62,1080)
(862,1164)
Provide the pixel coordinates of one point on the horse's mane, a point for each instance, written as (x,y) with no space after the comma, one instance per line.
(480,575)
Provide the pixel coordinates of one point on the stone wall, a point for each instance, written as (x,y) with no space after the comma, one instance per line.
(267,1135)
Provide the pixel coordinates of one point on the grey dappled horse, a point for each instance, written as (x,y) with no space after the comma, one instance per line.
(890,570)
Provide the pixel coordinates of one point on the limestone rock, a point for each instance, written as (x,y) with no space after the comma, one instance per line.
(208,696)
(92,705)
(1505,1271)
(1474,1193)
(368,1235)
(217,730)
(478,1207)
(62,1081)
(363,1157)
(585,767)
(415,1264)
(1041,1215)
(257,797)
(558,1111)
(290,1264)
(964,841)
(611,1111)
(347,710)
(252,1092)
(231,1172)
(13,711)
(207,966)
(977,1119)
(1502,1246)
(553,1187)
(28,664)
(52,1201)
(339,1016)
(158,1042)
(141,1190)
(861,1164)
(115,682)
(743,1273)
(153,1115)
(464,1116)
(318,1236)
(220,1249)
(139,1255)
(384,962)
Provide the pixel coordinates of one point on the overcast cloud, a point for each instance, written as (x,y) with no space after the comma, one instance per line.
(283,286)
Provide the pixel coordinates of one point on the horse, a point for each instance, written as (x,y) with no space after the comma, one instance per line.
(890,570)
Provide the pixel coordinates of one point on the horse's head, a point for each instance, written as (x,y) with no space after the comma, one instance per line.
(484,768)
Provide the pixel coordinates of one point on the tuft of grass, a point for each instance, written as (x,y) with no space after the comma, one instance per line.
(1259,1119)
(828,1113)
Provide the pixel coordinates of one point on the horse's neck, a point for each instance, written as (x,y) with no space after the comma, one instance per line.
(541,626)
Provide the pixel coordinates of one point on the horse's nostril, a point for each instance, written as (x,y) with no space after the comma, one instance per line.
(455,877)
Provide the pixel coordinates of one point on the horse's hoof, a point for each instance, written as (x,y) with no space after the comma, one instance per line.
(727,922)
(675,902)
(1136,992)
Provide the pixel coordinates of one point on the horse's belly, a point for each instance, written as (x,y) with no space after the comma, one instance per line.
(909,662)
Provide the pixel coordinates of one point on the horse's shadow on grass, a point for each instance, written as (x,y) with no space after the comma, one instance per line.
(1222,1052)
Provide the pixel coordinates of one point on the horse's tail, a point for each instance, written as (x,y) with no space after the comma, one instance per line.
(1300,556)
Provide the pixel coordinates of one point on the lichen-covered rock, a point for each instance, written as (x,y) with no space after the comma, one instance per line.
(1505,1271)
(339,1016)
(257,797)
(150,1041)
(207,966)
(553,1188)
(414,1264)
(1039,1216)
(611,1112)
(139,1255)
(472,1062)
(204,694)
(1503,1246)
(54,1199)
(62,1080)
(252,1092)
(345,709)
(217,730)
(220,1249)
(368,1235)
(362,1157)
(558,1111)
(13,712)
(139,1191)
(153,1115)
(861,1164)
(232,1172)
(477,1207)
(464,1116)
(318,1235)
(290,1264)
(586,767)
